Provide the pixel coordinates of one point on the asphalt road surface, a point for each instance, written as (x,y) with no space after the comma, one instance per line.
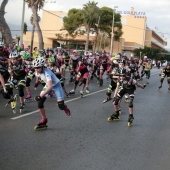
(87,141)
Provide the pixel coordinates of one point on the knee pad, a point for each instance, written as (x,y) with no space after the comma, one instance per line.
(168,80)
(131,102)
(28,81)
(162,79)
(116,100)
(61,105)
(76,82)
(108,93)
(6,95)
(84,81)
(41,102)
(21,90)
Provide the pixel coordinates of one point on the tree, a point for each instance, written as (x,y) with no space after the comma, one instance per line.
(72,21)
(25,28)
(33,30)
(35,5)
(94,19)
(90,17)
(4,28)
(150,52)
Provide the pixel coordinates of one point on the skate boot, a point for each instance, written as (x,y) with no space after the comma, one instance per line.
(130,120)
(160,87)
(81,93)
(67,111)
(13,104)
(119,109)
(67,94)
(28,98)
(114,116)
(52,95)
(107,99)
(81,82)
(22,107)
(87,90)
(72,92)
(41,125)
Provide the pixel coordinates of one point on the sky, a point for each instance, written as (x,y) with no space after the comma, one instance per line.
(156,11)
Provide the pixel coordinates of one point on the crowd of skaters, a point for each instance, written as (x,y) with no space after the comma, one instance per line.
(18,67)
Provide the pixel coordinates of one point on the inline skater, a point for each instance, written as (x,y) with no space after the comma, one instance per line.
(125,85)
(165,73)
(52,84)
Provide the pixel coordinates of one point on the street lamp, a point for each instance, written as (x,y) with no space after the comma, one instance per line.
(22,23)
(112,36)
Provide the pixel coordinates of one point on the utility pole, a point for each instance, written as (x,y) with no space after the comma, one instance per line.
(112,36)
(22,23)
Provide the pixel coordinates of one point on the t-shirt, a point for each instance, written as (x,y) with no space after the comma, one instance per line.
(48,75)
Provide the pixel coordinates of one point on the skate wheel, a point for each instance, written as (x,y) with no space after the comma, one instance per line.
(129,124)
(38,128)
(109,119)
(14,111)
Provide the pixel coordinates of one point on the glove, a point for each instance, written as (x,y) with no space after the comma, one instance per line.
(36,85)
(144,86)
(37,98)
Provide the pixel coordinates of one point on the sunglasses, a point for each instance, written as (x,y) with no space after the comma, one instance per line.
(37,67)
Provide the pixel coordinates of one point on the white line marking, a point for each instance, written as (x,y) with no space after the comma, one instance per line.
(30,113)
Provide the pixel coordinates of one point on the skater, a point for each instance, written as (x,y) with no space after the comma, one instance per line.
(17,72)
(165,72)
(52,84)
(125,85)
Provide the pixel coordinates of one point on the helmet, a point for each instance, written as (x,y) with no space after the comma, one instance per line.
(122,71)
(51,50)
(13,54)
(86,53)
(117,57)
(22,52)
(51,60)
(25,56)
(74,51)
(41,51)
(103,51)
(145,57)
(39,62)
(1,44)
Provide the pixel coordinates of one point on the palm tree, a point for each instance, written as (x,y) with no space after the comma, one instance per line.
(4,28)
(90,13)
(33,30)
(35,5)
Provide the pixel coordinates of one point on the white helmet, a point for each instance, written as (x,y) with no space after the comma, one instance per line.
(39,62)
(86,53)
(1,44)
(117,57)
(145,57)
(13,54)
(22,52)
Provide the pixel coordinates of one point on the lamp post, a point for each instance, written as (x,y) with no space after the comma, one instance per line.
(112,36)
(22,23)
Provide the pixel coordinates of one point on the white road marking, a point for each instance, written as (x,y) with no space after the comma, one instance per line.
(30,113)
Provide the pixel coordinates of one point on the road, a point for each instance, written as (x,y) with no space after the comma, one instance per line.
(87,141)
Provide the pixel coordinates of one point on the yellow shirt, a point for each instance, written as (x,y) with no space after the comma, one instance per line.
(35,54)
